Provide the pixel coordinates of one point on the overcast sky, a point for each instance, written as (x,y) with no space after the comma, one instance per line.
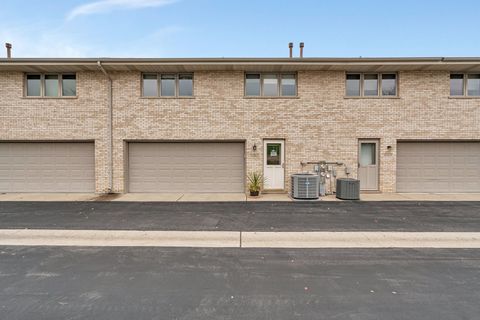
(240,28)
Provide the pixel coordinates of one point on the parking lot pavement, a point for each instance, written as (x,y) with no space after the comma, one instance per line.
(244,216)
(180,283)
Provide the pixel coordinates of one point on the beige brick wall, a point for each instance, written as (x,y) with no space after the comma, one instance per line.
(318,125)
(51,119)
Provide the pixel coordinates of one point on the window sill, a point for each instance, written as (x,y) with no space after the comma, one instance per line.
(464,97)
(49,98)
(278,97)
(168,98)
(373,98)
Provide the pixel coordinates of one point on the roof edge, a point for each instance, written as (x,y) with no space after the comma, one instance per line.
(296,60)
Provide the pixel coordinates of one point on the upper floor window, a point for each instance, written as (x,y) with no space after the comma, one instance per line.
(462,84)
(270,85)
(371,84)
(51,85)
(167,85)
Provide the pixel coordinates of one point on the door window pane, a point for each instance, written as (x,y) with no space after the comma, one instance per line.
(289,87)
(168,85)
(367,154)
(270,85)
(150,85)
(51,85)
(473,84)
(185,85)
(69,85)
(33,85)
(456,84)
(370,85)
(274,154)
(353,85)
(252,84)
(389,84)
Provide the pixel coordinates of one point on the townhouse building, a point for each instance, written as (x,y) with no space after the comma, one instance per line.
(201,125)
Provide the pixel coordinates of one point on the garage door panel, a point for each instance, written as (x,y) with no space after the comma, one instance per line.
(47,167)
(186,167)
(438,167)
(469,173)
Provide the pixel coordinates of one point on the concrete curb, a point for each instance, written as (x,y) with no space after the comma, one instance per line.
(117,238)
(361,239)
(238,239)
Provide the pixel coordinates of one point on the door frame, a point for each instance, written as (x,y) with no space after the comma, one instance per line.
(282,142)
(377,159)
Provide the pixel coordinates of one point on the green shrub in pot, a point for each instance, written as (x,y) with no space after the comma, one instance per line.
(255,182)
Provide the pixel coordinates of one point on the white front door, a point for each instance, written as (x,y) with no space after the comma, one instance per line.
(273,164)
(368,164)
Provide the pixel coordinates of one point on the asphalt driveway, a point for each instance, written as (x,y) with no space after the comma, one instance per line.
(242,216)
(172,283)
(42,282)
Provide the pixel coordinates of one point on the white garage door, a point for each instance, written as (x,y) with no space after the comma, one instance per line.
(186,167)
(438,167)
(47,167)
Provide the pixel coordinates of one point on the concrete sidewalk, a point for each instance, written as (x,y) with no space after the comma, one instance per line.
(48,197)
(137,197)
(419,197)
(228,197)
(238,239)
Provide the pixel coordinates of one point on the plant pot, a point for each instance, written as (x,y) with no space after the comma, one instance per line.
(254,193)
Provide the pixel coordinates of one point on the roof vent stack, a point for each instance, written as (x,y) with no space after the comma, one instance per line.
(9,50)
(301,49)
(290,47)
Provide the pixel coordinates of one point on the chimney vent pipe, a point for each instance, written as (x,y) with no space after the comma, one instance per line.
(301,49)
(9,49)
(290,47)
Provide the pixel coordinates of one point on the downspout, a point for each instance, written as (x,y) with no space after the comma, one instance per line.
(109,126)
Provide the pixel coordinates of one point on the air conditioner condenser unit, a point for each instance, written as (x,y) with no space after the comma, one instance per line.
(305,186)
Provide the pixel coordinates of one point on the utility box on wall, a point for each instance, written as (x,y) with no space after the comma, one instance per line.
(348,189)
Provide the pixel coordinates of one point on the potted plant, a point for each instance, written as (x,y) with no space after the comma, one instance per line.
(255,183)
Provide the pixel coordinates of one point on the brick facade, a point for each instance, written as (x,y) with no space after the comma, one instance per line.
(319,124)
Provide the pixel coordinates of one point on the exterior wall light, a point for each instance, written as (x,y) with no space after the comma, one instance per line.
(254,148)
